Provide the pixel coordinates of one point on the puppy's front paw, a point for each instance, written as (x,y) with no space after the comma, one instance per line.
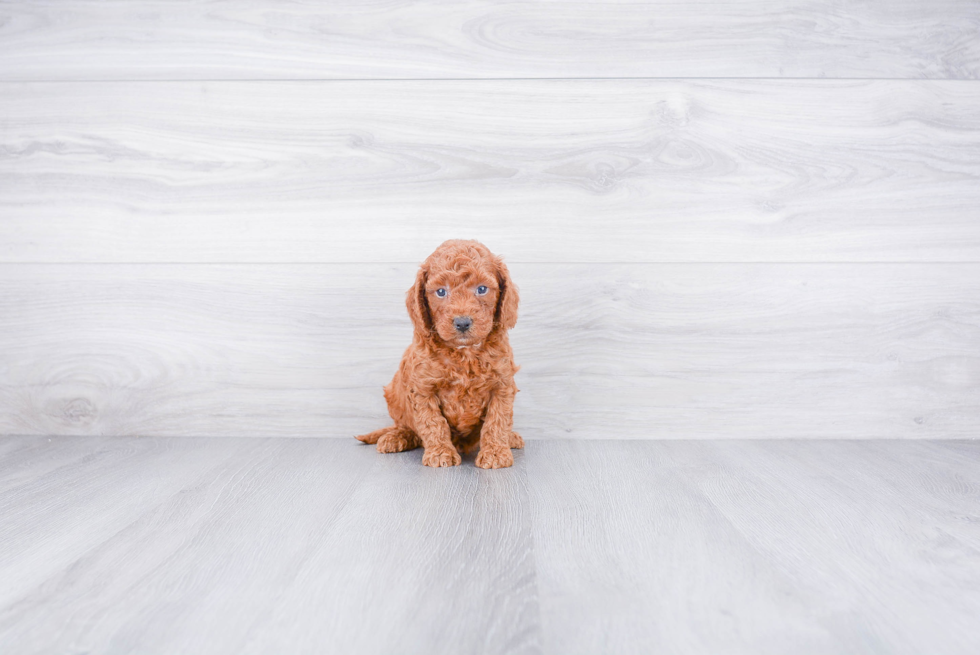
(437,456)
(516,440)
(495,458)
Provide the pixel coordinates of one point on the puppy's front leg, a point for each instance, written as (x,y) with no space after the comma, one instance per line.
(433,430)
(497,428)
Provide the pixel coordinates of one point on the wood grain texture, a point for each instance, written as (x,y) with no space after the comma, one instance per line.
(265,39)
(433,561)
(698,546)
(263,545)
(214,545)
(543,171)
(668,351)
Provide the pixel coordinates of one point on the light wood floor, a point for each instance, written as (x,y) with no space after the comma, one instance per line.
(215,545)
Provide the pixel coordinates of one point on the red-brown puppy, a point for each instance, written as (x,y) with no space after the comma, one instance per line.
(455,386)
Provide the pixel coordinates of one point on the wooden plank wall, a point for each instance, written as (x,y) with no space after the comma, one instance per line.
(753,219)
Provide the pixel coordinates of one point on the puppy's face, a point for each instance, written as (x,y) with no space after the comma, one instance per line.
(462,293)
(462,302)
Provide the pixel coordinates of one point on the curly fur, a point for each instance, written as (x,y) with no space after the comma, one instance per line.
(455,390)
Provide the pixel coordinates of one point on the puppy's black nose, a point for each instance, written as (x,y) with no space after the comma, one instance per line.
(462,323)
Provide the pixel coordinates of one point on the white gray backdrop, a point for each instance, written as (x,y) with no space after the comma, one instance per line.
(726,219)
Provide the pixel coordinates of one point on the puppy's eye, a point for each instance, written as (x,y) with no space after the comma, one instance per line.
(442,293)
(481,290)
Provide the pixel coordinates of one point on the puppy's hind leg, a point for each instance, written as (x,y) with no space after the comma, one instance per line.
(373,437)
(397,440)
(393,439)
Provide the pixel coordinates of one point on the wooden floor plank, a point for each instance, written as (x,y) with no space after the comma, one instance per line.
(260,545)
(87,39)
(164,554)
(306,546)
(633,558)
(435,561)
(543,171)
(27,458)
(696,546)
(858,526)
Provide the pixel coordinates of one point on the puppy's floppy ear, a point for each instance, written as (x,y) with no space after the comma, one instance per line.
(506,313)
(418,306)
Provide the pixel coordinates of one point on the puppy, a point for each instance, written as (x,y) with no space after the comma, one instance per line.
(454,388)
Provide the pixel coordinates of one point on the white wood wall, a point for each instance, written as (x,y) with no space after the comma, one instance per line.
(752,219)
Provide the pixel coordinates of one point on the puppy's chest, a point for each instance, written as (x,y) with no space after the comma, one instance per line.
(464,393)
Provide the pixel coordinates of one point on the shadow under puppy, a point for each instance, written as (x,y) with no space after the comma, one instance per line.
(454,388)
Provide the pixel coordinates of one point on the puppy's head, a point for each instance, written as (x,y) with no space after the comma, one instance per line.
(462,293)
